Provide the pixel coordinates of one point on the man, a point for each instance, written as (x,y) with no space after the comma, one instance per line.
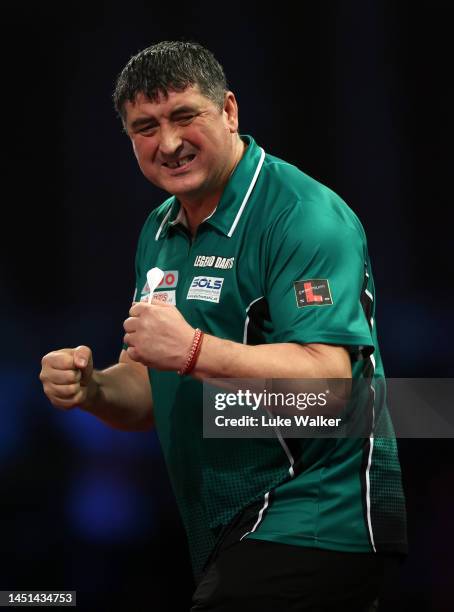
(266,275)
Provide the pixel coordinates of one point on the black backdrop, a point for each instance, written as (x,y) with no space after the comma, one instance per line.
(357,93)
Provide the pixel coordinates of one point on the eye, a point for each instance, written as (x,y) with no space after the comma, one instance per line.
(185,119)
(147,129)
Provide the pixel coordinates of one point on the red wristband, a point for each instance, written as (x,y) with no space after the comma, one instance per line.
(193,353)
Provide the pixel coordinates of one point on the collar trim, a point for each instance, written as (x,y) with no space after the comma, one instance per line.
(164,221)
(248,193)
(180,218)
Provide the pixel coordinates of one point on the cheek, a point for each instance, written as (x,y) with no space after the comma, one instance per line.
(139,152)
(143,152)
(142,145)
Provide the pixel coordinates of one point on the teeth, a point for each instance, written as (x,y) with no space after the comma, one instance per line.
(180,162)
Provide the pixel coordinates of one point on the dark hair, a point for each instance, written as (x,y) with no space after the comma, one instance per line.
(171,65)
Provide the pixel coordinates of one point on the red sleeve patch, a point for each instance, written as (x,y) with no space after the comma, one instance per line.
(313,292)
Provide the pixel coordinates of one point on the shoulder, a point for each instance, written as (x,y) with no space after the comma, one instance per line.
(289,193)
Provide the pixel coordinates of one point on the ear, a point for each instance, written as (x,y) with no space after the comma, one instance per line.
(231,111)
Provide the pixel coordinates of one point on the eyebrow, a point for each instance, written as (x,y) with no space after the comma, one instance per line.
(179,110)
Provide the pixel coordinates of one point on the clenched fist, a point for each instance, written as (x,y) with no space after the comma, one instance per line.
(158,336)
(66,374)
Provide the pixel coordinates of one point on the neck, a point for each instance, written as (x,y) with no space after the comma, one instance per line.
(201,207)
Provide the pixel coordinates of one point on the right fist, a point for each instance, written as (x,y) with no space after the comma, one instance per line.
(65,375)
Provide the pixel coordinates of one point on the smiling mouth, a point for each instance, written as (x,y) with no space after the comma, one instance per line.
(180,163)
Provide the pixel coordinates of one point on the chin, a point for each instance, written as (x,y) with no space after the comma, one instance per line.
(184,189)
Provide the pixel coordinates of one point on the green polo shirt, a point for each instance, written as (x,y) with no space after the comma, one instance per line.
(281,259)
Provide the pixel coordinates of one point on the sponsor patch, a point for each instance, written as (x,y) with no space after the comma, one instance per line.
(213,261)
(169,281)
(169,297)
(313,292)
(206,288)
(165,296)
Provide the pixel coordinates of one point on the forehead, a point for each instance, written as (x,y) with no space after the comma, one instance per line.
(163,104)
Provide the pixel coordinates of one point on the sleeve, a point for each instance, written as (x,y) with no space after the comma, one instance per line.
(315,275)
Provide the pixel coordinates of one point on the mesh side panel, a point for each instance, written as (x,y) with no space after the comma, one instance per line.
(231,478)
(387,498)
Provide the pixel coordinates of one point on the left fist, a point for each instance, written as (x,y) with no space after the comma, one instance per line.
(157,335)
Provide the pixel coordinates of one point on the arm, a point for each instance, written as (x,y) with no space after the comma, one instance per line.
(224,359)
(158,336)
(121,395)
(161,338)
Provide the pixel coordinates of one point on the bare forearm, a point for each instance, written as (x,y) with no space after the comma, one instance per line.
(225,359)
(121,397)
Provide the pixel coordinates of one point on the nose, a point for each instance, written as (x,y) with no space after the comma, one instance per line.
(170,141)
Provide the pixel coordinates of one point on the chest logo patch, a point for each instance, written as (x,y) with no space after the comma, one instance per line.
(213,261)
(169,281)
(313,292)
(205,288)
(165,296)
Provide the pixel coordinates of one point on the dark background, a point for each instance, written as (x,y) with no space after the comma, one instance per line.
(358,94)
